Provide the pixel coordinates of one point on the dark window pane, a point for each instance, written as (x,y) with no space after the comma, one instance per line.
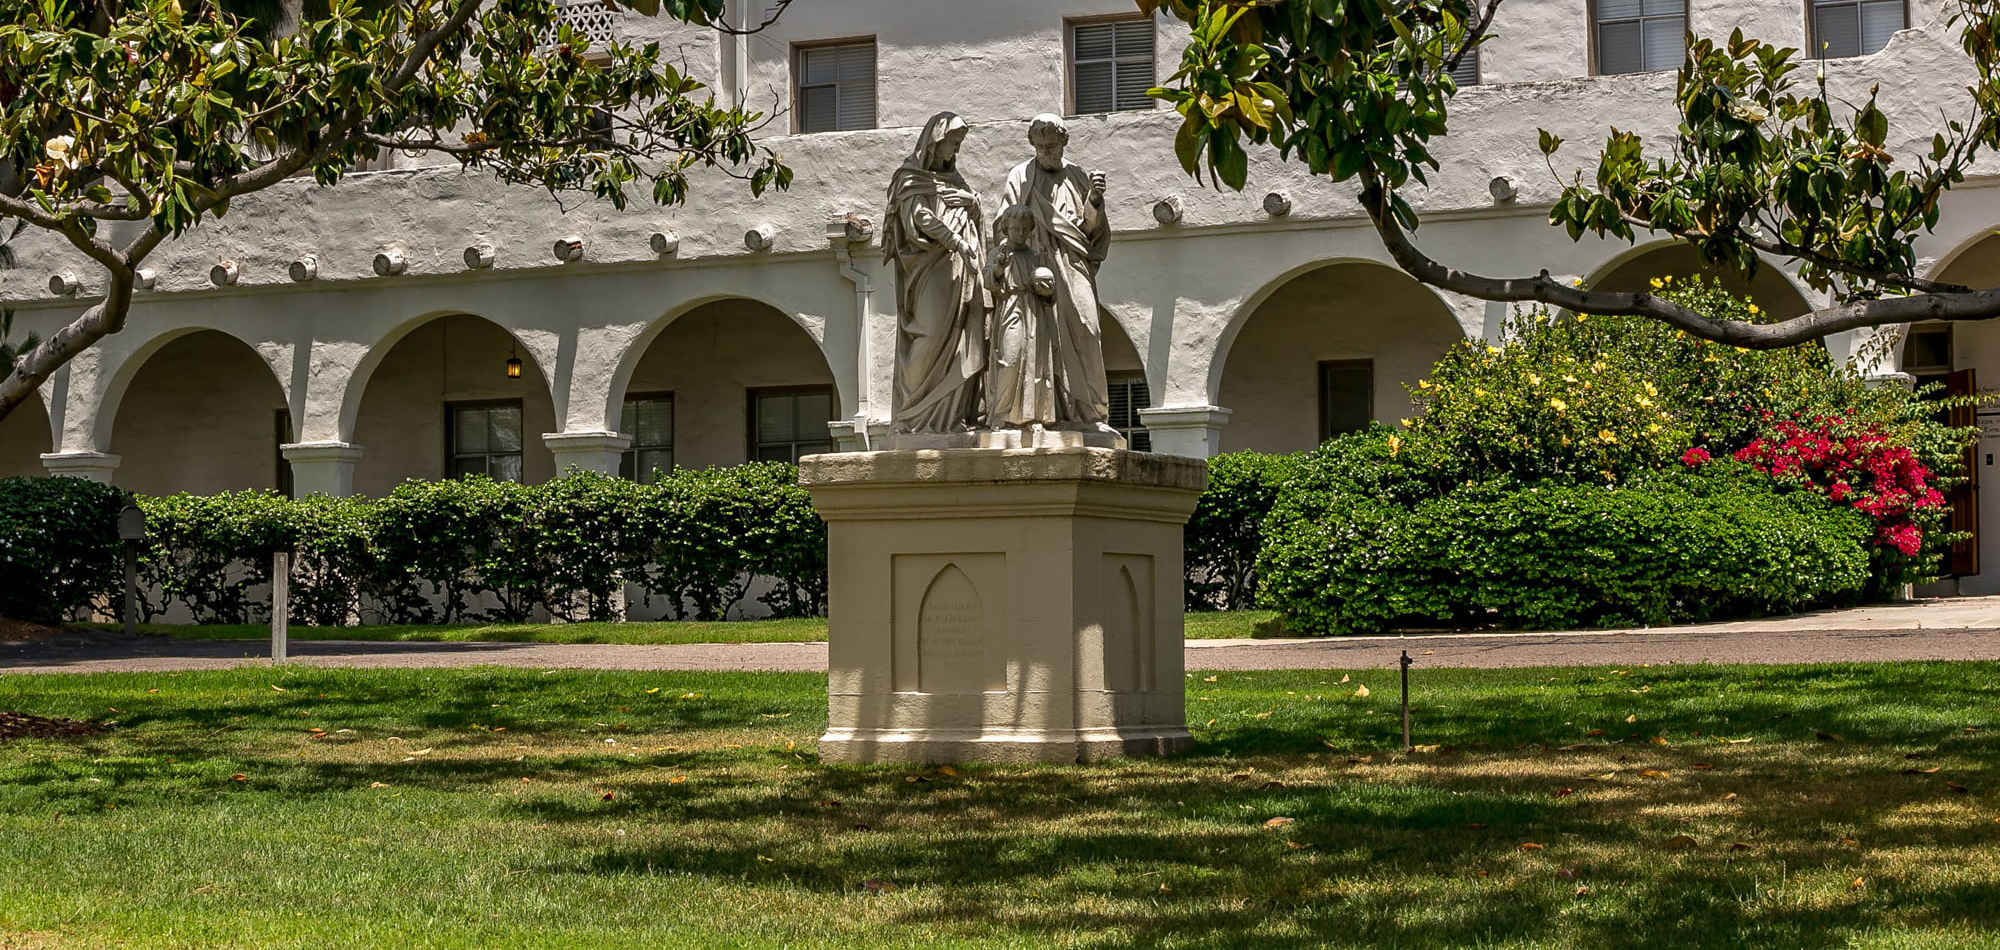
(1665,42)
(504,468)
(1618,48)
(1347,396)
(1927,350)
(1095,90)
(1879,21)
(1467,73)
(469,430)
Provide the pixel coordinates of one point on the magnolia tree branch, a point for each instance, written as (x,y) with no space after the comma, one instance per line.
(1796,252)
(1541,288)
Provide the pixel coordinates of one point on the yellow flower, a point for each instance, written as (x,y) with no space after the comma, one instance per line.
(1577,282)
(1605,435)
(1534,380)
(1405,422)
(1492,350)
(1395,445)
(1597,367)
(1657,283)
(1568,379)
(1753,310)
(1478,392)
(1644,402)
(1650,391)
(1558,405)
(1423,384)
(1667,279)
(1654,428)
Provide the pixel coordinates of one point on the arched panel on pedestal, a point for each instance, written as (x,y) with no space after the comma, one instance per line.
(1772,290)
(723,381)
(24,436)
(196,411)
(434,400)
(1325,351)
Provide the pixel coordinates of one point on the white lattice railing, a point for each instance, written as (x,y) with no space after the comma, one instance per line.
(596,19)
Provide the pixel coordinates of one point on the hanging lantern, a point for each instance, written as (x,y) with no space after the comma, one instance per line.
(514,365)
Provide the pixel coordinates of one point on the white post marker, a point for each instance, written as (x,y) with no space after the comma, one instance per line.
(281,596)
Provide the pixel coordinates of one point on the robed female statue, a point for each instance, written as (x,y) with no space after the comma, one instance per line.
(931,234)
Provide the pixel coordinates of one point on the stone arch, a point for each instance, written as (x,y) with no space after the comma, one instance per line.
(404,391)
(112,394)
(629,359)
(363,370)
(204,417)
(1268,363)
(24,435)
(711,354)
(1773,289)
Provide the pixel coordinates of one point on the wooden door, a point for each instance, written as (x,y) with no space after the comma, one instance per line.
(1963,560)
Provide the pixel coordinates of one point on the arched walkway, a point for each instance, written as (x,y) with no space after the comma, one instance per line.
(439,403)
(24,436)
(200,415)
(1770,290)
(727,381)
(1327,351)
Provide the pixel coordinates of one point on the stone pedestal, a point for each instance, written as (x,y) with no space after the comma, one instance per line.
(322,468)
(93,466)
(1003,604)
(586,451)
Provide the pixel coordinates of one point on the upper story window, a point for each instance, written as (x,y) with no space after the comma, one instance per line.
(1850,28)
(836,87)
(1635,36)
(1111,65)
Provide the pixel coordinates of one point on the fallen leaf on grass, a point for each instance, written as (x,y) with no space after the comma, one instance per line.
(1594,733)
(676,780)
(1208,679)
(1954,786)
(421,752)
(1680,842)
(1929,771)
(1263,715)
(876,886)
(1361,690)
(276,688)
(1565,792)
(1583,890)
(1736,741)
(1295,846)
(652,691)
(1850,842)
(1361,760)
(1855,884)
(1344,677)
(947,771)
(609,795)
(1475,825)
(1654,773)
(1632,718)
(1532,846)
(378,784)
(1729,797)
(239,777)
(1702,766)
(1481,872)
(1279,822)
(1658,740)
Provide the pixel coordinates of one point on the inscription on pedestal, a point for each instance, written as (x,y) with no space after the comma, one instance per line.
(951,632)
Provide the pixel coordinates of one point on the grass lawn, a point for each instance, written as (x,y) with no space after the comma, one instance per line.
(1200,626)
(1588,808)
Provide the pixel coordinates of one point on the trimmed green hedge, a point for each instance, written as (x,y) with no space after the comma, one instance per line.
(1225,533)
(1354,544)
(58,546)
(435,552)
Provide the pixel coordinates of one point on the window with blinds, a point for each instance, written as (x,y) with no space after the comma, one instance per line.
(1467,73)
(1635,36)
(788,423)
(1847,28)
(1111,66)
(649,421)
(836,89)
(1346,396)
(1128,396)
(485,440)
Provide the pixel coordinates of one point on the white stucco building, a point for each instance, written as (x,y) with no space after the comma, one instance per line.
(736,328)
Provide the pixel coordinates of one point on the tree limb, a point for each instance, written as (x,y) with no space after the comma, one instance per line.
(1976,305)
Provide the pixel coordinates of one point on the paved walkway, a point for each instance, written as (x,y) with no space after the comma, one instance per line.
(1945,629)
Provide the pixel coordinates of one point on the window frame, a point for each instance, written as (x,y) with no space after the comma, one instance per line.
(1319,382)
(798,64)
(451,454)
(1812,29)
(634,448)
(1138,426)
(1069,61)
(1597,54)
(752,393)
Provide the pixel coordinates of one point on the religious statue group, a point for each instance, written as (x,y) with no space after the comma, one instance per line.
(997,331)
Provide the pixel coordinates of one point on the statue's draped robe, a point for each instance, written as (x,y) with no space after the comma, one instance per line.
(941,302)
(1021,378)
(1071,238)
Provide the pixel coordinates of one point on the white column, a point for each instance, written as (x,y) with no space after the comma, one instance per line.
(586,451)
(95,466)
(322,468)
(1191,431)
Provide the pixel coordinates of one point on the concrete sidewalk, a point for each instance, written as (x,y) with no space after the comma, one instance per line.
(1944,629)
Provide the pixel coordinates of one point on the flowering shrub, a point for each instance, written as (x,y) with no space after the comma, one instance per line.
(1859,467)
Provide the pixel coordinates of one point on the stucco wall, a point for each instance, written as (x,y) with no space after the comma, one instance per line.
(459,358)
(1339,312)
(710,358)
(199,417)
